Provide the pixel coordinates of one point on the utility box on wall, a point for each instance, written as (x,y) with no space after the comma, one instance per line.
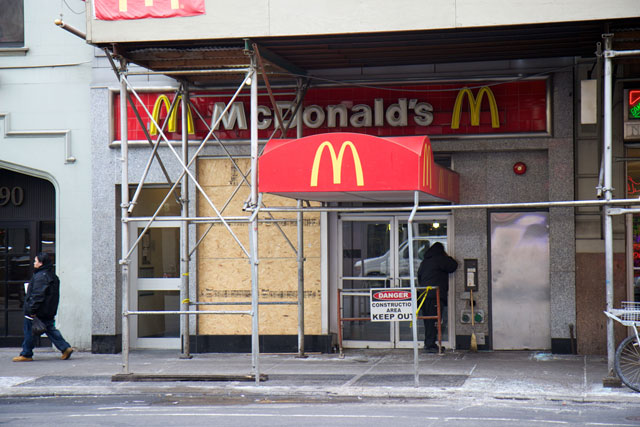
(470,274)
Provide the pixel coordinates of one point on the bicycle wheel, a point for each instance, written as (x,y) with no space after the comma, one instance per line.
(627,362)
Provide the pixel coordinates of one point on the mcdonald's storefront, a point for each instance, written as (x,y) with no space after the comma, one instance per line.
(373,147)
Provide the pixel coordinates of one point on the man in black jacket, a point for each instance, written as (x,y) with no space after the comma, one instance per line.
(434,271)
(43,295)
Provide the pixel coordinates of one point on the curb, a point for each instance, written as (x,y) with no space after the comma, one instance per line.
(309,392)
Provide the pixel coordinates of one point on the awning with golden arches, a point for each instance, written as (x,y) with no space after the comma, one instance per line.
(339,167)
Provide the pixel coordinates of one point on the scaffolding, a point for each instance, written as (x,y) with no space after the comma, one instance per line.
(182,95)
(255,205)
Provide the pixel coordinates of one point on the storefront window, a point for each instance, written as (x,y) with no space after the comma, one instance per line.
(11,23)
(150,199)
(633,190)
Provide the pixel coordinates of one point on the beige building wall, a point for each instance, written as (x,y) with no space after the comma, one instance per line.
(279,18)
(224,273)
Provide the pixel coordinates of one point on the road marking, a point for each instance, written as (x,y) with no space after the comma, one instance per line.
(509,420)
(222,414)
(611,425)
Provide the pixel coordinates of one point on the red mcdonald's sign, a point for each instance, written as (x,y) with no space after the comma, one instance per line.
(356,167)
(437,110)
(112,10)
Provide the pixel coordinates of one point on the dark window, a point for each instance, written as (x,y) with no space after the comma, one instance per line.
(633,190)
(151,197)
(11,23)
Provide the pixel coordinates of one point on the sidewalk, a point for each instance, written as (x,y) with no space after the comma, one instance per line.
(360,374)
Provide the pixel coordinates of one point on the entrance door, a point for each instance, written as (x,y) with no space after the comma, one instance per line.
(520,286)
(426,232)
(375,254)
(17,250)
(155,286)
(27,226)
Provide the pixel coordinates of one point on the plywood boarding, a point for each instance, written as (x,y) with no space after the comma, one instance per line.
(224,273)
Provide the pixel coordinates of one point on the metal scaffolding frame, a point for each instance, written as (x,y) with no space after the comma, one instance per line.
(609,54)
(254,205)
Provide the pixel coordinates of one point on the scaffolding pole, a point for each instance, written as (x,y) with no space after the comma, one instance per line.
(439,208)
(608,225)
(253,226)
(609,54)
(414,300)
(300,256)
(184,230)
(124,209)
(300,93)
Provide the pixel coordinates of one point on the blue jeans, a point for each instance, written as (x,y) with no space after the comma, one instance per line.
(54,335)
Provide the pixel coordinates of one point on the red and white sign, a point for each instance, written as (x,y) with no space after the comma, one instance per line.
(392,295)
(391,305)
(452,109)
(113,10)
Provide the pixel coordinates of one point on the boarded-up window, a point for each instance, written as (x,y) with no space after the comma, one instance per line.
(224,273)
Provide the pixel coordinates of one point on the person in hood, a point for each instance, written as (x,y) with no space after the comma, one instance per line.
(434,270)
(43,295)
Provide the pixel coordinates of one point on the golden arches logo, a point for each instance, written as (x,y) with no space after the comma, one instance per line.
(475,102)
(122,4)
(163,100)
(427,160)
(336,163)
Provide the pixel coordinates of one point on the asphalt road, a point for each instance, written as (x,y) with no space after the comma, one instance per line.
(170,409)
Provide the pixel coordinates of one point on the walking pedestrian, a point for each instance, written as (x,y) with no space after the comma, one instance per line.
(434,270)
(43,296)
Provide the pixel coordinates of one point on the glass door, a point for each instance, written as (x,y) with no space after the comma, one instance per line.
(155,286)
(427,230)
(375,254)
(366,262)
(16,257)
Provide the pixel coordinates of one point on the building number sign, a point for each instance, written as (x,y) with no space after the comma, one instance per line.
(14,196)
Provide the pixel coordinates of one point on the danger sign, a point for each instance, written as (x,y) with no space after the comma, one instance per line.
(391,305)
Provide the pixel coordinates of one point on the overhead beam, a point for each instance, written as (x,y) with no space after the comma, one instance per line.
(274,58)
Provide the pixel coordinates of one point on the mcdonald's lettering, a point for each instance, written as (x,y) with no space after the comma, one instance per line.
(475,102)
(522,109)
(336,163)
(163,101)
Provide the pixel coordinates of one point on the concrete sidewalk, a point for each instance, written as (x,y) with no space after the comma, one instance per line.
(360,374)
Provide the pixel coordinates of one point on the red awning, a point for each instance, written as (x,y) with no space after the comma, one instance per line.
(341,167)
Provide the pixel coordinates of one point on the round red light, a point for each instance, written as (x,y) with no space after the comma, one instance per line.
(519,168)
